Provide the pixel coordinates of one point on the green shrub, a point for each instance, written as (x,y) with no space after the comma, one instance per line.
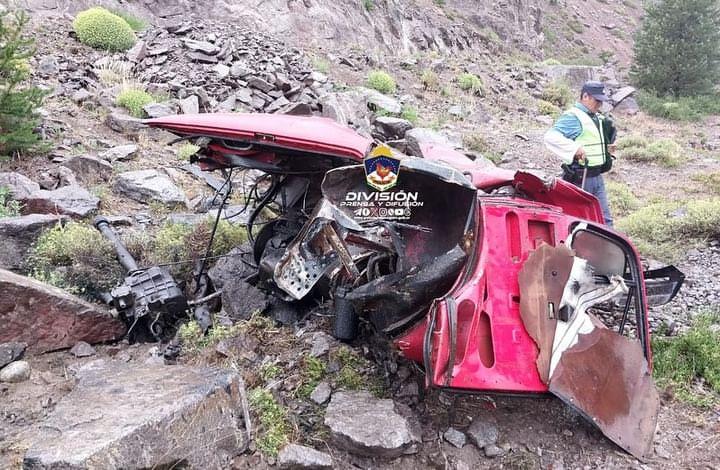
(368,4)
(100,29)
(134,99)
(381,81)
(575,25)
(312,372)
(18,99)
(410,113)
(558,93)
(186,150)
(430,80)
(548,108)
(710,180)
(665,152)
(622,200)
(470,82)
(8,207)
(687,108)
(194,340)
(113,71)
(274,426)
(75,257)
(136,23)
(662,228)
(692,357)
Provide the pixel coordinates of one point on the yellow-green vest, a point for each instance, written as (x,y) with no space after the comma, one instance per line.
(591,138)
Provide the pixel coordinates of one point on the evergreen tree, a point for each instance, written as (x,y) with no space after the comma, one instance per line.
(18,100)
(677,50)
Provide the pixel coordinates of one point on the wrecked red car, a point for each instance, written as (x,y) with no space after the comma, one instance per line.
(486,277)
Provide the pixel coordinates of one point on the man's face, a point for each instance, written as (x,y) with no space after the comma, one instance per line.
(590,103)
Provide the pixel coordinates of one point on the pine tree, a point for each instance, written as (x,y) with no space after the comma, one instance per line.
(18,100)
(677,50)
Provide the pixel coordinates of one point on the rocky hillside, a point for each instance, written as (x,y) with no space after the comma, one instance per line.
(236,397)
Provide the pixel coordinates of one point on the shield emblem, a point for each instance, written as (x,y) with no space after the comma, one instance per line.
(381,168)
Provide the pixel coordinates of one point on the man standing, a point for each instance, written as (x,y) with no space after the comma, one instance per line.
(584,140)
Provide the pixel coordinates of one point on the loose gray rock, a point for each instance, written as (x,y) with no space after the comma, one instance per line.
(573,75)
(10,352)
(18,234)
(241,299)
(137,53)
(177,414)
(229,267)
(189,105)
(492,451)
(392,127)
(222,70)
(20,186)
(455,437)
(156,110)
(123,123)
(295,457)
(240,69)
(622,93)
(322,393)
(201,46)
(627,106)
(72,200)
(298,109)
(260,84)
(82,349)
(15,372)
(365,425)
(81,95)
(277,104)
(149,185)
(89,169)
(48,66)
(320,344)
(376,101)
(483,432)
(121,153)
(418,137)
(57,177)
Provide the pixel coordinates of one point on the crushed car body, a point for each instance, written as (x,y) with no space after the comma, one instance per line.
(488,278)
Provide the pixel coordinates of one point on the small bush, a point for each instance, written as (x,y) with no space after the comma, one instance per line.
(275,428)
(548,108)
(136,23)
(312,371)
(113,71)
(665,152)
(410,113)
(622,200)
(186,150)
(193,340)
(575,25)
(558,93)
(710,180)
(430,80)
(691,363)
(8,207)
(368,4)
(77,258)
(381,81)
(470,82)
(134,99)
(687,108)
(100,29)
(661,229)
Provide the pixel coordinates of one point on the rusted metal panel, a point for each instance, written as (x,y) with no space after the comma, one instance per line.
(542,281)
(605,376)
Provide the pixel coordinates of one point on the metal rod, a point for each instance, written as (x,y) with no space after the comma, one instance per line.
(124,256)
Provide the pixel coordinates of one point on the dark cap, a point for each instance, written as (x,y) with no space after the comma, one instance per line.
(595,89)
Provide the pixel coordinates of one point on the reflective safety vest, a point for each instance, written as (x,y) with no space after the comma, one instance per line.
(591,138)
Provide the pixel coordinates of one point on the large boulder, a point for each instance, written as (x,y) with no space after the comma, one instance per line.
(90,169)
(17,235)
(134,416)
(573,75)
(20,186)
(73,200)
(149,185)
(392,127)
(365,425)
(48,318)
(420,137)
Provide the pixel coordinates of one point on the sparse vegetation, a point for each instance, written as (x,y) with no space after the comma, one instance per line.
(368,4)
(321,65)
(186,150)
(690,363)
(8,207)
(665,152)
(113,71)
(356,372)
(470,82)
(136,23)
(548,108)
(193,340)
(18,99)
(312,371)
(410,113)
(686,108)
(710,180)
(274,426)
(134,99)
(430,80)
(381,81)
(75,257)
(575,25)
(663,228)
(622,200)
(100,29)
(558,93)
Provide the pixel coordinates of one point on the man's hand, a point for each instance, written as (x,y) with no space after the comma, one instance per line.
(579,155)
(612,148)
